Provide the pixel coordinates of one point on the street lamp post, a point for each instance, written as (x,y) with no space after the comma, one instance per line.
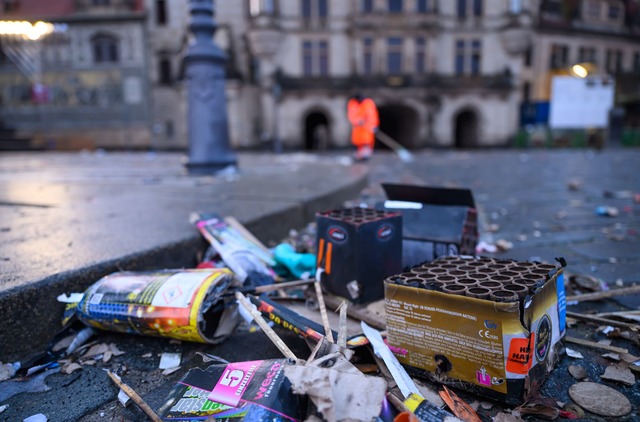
(209,150)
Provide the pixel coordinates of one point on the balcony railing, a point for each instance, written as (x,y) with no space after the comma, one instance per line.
(499,82)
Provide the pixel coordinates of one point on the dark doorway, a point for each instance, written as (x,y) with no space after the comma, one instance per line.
(399,122)
(466,129)
(316,131)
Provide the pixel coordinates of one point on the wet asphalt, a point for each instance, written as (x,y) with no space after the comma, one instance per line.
(545,202)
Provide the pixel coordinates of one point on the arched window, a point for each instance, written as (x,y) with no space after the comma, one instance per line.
(105,49)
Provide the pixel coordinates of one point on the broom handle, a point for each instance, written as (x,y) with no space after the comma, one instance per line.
(388,141)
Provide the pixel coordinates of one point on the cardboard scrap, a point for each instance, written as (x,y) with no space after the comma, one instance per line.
(599,399)
(333,392)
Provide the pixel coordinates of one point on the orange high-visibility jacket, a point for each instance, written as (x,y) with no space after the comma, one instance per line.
(363,116)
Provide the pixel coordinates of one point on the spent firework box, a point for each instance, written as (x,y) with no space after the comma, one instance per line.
(491,327)
(253,390)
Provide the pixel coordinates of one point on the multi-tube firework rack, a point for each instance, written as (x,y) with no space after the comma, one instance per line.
(498,280)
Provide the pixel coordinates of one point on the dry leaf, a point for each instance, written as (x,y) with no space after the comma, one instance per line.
(95,350)
(577,372)
(507,417)
(620,373)
(114,349)
(68,368)
(147,355)
(612,356)
(107,356)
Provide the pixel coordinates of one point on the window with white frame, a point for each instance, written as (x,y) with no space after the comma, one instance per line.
(469,8)
(395,6)
(105,49)
(367,56)
(614,61)
(421,55)
(587,55)
(315,58)
(559,56)
(314,9)
(468,57)
(422,6)
(394,55)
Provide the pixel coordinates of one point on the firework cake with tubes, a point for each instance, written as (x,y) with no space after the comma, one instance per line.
(492,327)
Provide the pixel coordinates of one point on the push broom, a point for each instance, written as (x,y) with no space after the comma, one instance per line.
(402,152)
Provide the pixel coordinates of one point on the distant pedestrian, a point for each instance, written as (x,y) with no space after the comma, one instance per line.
(363,116)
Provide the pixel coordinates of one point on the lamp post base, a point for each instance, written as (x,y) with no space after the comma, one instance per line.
(212,168)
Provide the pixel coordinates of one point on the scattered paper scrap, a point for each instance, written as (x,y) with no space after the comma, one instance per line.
(170,360)
(574,354)
(36,418)
(7,370)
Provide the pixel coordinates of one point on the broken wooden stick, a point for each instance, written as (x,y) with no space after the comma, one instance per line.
(257,317)
(323,311)
(354,313)
(598,320)
(603,295)
(273,287)
(595,345)
(342,330)
(135,397)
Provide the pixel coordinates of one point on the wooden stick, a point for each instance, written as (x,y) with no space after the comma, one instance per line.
(621,314)
(135,397)
(603,295)
(598,320)
(356,314)
(342,331)
(595,345)
(323,312)
(275,286)
(257,317)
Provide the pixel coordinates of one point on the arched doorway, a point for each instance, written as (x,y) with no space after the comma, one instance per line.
(466,129)
(316,131)
(399,122)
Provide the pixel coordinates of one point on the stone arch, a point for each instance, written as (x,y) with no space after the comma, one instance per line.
(466,128)
(316,129)
(400,122)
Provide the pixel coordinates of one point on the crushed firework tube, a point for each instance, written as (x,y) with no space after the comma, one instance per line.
(297,323)
(182,304)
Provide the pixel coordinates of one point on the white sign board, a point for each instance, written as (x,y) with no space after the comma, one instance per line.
(578,103)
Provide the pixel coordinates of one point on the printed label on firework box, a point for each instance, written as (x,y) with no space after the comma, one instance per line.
(480,345)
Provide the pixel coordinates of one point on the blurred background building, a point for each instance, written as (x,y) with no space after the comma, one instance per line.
(463,73)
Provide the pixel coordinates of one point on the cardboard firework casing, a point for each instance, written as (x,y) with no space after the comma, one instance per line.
(501,346)
(254,390)
(358,248)
(182,304)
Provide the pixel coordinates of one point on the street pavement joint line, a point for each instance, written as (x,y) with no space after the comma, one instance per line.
(23,204)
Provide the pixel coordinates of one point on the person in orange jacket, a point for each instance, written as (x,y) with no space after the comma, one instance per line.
(363,116)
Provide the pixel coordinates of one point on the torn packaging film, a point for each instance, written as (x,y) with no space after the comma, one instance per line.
(501,350)
(181,304)
(251,391)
